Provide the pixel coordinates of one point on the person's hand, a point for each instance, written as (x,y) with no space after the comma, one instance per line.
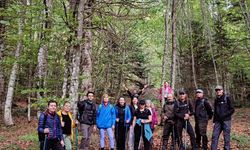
(127,121)
(62,143)
(113,127)
(63,124)
(143,121)
(46,130)
(117,119)
(94,128)
(186,117)
(145,86)
(165,117)
(76,122)
(155,126)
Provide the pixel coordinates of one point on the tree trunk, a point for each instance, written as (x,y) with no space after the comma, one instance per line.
(29,95)
(190,31)
(2,31)
(87,49)
(74,83)
(209,34)
(10,92)
(245,12)
(174,43)
(166,47)
(43,51)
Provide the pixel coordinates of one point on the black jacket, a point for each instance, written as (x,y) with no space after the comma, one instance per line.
(168,110)
(223,108)
(182,108)
(203,110)
(86,112)
(132,110)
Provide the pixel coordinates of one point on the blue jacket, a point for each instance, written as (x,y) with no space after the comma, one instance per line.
(105,116)
(54,125)
(127,115)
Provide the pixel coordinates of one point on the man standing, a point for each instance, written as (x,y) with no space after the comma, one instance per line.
(223,111)
(169,122)
(50,129)
(87,119)
(183,110)
(203,112)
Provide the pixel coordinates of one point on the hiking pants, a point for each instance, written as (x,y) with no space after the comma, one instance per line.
(182,124)
(86,131)
(67,142)
(111,137)
(224,126)
(131,138)
(169,128)
(201,133)
(139,132)
(120,136)
(51,144)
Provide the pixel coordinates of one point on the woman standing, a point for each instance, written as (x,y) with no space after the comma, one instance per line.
(123,117)
(67,124)
(133,107)
(150,106)
(105,121)
(141,123)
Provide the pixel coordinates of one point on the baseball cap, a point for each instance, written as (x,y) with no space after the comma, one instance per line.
(142,102)
(218,87)
(199,91)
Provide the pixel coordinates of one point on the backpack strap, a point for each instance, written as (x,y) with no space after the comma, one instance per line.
(44,119)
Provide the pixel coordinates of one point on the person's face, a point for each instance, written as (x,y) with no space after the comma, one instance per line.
(52,107)
(219,92)
(134,91)
(142,106)
(90,96)
(166,83)
(135,100)
(199,95)
(170,98)
(105,99)
(122,101)
(67,107)
(148,104)
(182,96)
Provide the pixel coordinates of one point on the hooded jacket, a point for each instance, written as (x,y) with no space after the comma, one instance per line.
(105,116)
(127,113)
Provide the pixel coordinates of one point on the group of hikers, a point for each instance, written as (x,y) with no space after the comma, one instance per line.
(135,122)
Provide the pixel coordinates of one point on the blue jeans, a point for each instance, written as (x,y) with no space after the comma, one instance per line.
(224,126)
(111,137)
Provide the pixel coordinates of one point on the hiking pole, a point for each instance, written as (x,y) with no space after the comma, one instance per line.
(45,142)
(76,137)
(173,137)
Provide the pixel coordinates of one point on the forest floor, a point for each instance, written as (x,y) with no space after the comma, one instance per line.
(23,135)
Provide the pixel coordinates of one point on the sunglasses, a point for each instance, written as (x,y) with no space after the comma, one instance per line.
(217,90)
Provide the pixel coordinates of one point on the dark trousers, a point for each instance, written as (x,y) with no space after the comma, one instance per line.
(51,144)
(120,136)
(139,131)
(224,126)
(186,124)
(201,133)
(169,129)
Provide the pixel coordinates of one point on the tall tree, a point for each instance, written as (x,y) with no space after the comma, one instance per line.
(76,51)
(2,31)
(167,23)
(174,43)
(86,63)
(43,50)
(208,34)
(10,92)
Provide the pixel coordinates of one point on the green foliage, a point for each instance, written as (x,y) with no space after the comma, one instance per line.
(32,137)
(242,140)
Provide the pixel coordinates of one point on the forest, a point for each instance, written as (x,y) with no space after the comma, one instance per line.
(61,49)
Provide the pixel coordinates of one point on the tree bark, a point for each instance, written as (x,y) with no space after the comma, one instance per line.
(174,43)
(43,51)
(87,49)
(2,31)
(10,92)
(166,47)
(74,82)
(245,12)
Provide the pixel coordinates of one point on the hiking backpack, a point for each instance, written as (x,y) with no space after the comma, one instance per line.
(41,136)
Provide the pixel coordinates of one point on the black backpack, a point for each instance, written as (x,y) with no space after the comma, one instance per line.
(41,136)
